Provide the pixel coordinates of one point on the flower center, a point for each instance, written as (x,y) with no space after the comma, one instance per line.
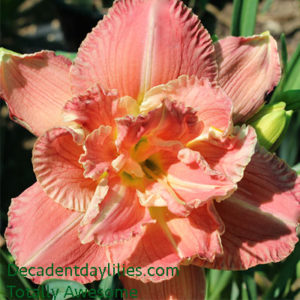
(142,166)
(151,167)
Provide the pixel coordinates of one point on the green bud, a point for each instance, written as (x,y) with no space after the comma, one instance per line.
(270,123)
(297,169)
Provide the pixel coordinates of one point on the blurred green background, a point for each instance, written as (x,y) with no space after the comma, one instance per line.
(60,25)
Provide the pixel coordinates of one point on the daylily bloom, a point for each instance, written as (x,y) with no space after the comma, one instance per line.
(141,158)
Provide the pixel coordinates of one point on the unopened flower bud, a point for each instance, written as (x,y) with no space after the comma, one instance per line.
(269,123)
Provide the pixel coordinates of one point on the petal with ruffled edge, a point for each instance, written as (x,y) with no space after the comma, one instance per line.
(100,151)
(189,182)
(163,41)
(56,165)
(229,155)
(170,122)
(212,105)
(96,107)
(209,170)
(35,87)
(188,284)
(261,217)
(41,233)
(152,249)
(172,239)
(120,217)
(199,234)
(249,68)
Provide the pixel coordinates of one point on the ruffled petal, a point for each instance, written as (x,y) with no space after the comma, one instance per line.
(163,41)
(153,249)
(92,108)
(41,233)
(190,182)
(100,151)
(56,165)
(212,105)
(209,171)
(188,284)
(170,122)
(249,68)
(120,217)
(198,234)
(261,217)
(230,155)
(170,240)
(96,107)
(35,88)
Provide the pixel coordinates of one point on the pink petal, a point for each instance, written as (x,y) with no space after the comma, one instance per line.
(198,234)
(160,194)
(99,195)
(120,217)
(170,240)
(249,69)
(261,217)
(97,106)
(172,121)
(41,233)
(189,284)
(191,182)
(100,151)
(212,105)
(141,44)
(230,155)
(35,87)
(56,166)
(211,171)
(151,249)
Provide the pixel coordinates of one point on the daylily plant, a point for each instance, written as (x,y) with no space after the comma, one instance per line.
(142,157)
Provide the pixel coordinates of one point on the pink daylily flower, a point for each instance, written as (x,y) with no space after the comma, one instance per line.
(139,159)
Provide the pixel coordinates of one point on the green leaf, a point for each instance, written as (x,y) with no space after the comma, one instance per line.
(284,55)
(290,145)
(214,38)
(266,6)
(244,292)
(282,279)
(63,289)
(244,17)
(110,283)
(290,79)
(235,292)
(291,98)
(236,17)
(298,264)
(223,280)
(248,17)
(11,280)
(248,277)
(69,55)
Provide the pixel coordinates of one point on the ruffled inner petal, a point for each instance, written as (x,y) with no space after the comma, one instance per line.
(120,217)
(56,165)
